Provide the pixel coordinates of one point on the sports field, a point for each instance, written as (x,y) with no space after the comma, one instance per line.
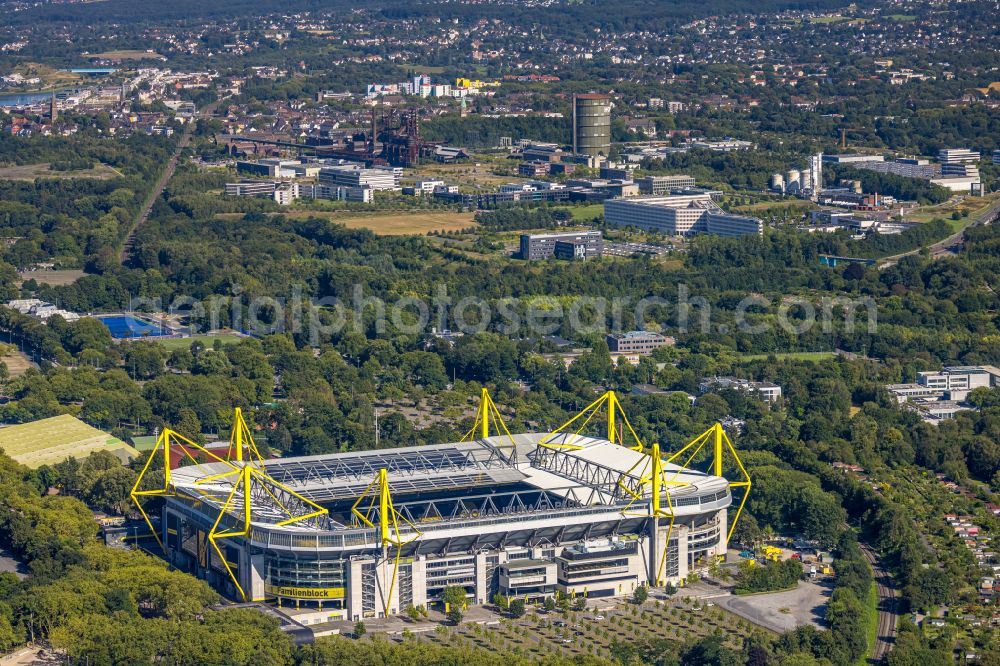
(52,278)
(207,340)
(52,440)
(397,224)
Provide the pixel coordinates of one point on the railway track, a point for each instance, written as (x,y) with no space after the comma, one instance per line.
(162,180)
(887,614)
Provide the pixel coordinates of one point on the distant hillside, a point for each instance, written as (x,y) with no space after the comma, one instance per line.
(577,16)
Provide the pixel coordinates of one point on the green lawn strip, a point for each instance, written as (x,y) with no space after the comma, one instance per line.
(870,621)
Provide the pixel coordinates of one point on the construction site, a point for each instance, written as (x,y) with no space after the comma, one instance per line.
(587,510)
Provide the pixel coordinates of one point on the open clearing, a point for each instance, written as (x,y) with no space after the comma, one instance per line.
(52,278)
(584,213)
(127,54)
(17,362)
(972,205)
(34,171)
(475,174)
(208,340)
(396,224)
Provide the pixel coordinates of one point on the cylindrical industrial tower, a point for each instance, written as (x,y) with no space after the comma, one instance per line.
(778,182)
(592,124)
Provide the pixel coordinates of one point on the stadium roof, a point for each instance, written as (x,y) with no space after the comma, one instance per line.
(52,440)
(595,473)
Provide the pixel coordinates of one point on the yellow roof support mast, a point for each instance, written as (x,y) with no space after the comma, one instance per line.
(240,501)
(653,475)
(488,420)
(389,520)
(720,444)
(615,431)
(287,505)
(168,441)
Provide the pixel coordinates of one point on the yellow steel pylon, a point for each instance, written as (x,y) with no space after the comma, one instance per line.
(615,432)
(654,475)
(487,414)
(164,442)
(240,437)
(251,477)
(388,525)
(720,444)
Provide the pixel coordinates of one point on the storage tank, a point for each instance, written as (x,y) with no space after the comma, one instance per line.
(792,179)
(778,182)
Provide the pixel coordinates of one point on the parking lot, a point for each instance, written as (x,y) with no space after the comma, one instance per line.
(783,611)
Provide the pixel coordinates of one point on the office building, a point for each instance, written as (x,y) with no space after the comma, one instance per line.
(678,215)
(642,343)
(996,157)
(852,158)
(336,193)
(251,188)
(543,246)
(533,169)
(592,124)
(767,391)
(349,175)
(660,185)
(573,249)
(951,383)
(957,156)
(720,223)
(613,171)
(960,170)
(269,168)
(932,173)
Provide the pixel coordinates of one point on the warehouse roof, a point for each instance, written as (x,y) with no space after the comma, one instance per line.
(52,440)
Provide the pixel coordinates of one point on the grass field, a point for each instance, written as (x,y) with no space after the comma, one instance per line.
(397,224)
(52,278)
(585,213)
(34,171)
(790,356)
(126,54)
(207,340)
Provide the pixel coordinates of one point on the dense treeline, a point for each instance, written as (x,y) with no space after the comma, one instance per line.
(75,222)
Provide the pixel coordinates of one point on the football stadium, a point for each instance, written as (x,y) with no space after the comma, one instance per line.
(585,510)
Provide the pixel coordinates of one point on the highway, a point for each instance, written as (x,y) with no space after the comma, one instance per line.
(949,245)
(164,178)
(887,614)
